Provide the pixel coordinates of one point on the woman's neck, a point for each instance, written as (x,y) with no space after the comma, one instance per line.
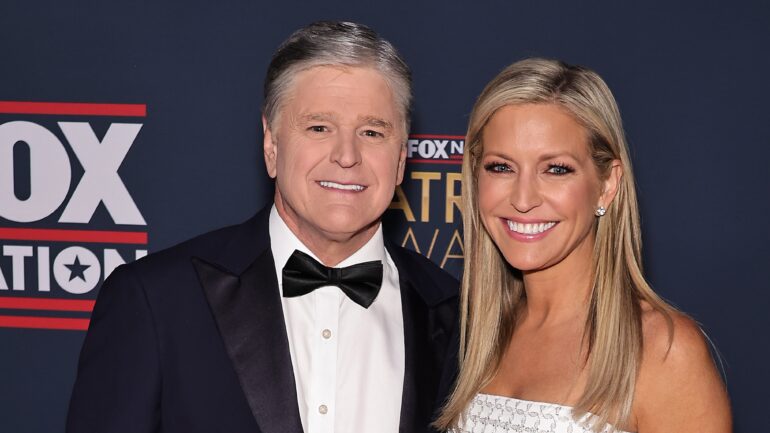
(561,292)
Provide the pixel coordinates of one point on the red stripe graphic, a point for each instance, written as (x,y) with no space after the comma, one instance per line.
(438,136)
(57,235)
(47,304)
(43,323)
(436,161)
(73,108)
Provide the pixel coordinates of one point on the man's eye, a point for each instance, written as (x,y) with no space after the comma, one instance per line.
(372,133)
(559,169)
(318,128)
(497,167)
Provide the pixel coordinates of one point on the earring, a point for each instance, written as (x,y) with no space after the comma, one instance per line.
(600,211)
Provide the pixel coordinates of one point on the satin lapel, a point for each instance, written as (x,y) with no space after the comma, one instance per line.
(429,306)
(424,350)
(250,319)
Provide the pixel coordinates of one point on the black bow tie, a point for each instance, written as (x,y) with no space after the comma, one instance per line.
(303,274)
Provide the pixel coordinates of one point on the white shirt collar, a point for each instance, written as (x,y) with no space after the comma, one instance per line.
(283,242)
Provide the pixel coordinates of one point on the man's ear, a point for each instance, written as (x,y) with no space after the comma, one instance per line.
(611,184)
(401,165)
(270,149)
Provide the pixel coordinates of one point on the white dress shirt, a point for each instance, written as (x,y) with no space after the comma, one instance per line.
(348,360)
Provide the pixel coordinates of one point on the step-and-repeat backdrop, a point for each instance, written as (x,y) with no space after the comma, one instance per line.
(126,127)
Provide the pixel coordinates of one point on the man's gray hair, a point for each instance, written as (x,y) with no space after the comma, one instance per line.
(330,43)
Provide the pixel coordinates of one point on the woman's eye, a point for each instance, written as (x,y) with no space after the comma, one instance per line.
(559,169)
(497,167)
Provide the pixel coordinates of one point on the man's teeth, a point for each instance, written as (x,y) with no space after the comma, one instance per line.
(529,229)
(335,185)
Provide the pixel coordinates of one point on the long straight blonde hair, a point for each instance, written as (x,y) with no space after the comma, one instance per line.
(491,289)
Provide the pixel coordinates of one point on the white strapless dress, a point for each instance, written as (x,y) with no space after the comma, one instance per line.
(496,414)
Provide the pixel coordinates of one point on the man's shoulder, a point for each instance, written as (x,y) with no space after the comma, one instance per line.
(229,247)
(433,283)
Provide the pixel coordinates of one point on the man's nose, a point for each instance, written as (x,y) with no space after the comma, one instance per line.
(346,151)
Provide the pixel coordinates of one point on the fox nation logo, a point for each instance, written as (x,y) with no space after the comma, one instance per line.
(67,219)
(435,149)
(424,215)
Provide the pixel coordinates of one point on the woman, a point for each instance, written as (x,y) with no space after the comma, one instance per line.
(554,304)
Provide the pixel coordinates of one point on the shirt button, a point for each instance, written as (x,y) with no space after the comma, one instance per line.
(326,334)
(322,409)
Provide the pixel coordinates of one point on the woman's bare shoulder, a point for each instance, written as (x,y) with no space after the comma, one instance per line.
(678,387)
(672,338)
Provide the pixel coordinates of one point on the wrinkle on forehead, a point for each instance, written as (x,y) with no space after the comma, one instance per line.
(335,73)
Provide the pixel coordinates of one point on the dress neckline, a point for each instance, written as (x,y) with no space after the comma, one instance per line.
(539,403)
(542,403)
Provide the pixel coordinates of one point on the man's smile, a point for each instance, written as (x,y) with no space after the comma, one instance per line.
(328,184)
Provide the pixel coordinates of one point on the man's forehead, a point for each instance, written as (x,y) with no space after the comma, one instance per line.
(376,104)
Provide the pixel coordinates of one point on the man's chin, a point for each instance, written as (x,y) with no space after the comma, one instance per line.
(343,229)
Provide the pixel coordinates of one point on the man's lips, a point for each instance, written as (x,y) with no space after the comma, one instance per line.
(352,187)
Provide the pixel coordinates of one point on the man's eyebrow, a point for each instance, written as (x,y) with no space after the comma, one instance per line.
(317,117)
(376,121)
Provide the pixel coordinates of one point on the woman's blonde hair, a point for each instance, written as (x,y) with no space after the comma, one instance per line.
(491,289)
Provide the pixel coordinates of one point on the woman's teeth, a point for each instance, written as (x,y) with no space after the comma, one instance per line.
(529,228)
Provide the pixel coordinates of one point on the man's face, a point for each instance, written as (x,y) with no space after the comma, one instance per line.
(337,153)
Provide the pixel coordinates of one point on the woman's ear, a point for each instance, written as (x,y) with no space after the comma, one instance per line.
(611,184)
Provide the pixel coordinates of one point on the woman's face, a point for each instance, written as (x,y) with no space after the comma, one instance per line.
(538,188)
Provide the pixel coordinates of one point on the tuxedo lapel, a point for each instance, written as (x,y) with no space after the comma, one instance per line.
(415,403)
(247,309)
(427,327)
(244,298)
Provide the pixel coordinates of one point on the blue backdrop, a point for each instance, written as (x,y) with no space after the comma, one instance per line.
(690,80)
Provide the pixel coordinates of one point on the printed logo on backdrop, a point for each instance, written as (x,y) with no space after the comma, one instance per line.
(67,219)
(424,215)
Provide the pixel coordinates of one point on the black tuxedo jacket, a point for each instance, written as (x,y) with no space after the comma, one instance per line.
(192,339)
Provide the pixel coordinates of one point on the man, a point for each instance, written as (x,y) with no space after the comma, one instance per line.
(235,331)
